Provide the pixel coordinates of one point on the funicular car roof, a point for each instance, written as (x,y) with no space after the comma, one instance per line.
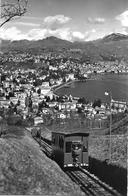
(68,134)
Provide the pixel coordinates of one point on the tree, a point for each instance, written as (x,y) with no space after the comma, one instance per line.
(97,102)
(82,100)
(11,9)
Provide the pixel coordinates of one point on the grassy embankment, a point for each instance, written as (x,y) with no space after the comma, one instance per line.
(113,172)
(25,170)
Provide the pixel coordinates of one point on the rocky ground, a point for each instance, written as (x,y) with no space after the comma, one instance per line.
(25,170)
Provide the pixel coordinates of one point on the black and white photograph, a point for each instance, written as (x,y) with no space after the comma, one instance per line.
(63,97)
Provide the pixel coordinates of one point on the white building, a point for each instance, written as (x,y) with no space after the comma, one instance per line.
(45,90)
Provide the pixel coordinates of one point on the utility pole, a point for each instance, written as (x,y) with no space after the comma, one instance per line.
(110,139)
(110,124)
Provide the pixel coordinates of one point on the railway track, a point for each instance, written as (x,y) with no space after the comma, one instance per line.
(90,184)
(46,148)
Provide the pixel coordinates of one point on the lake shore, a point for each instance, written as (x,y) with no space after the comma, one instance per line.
(96,86)
(63,85)
(93,77)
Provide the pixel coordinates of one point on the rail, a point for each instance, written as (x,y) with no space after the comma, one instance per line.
(90,184)
(46,148)
(97,180)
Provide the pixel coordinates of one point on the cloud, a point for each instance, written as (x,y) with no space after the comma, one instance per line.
(54,22)
(14,33)
(27,24)
(96,20)
(61,19)
(78,36)
(123,30)
(36,34)
(93,30)
(123,18)
(62,33)
(32,18)
(95,36)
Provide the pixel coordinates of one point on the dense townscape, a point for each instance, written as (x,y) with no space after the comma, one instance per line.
(32,91)
(60,61)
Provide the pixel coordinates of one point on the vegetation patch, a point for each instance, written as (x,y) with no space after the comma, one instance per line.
(99,148)
(113,172)
(24,169)
(113,175)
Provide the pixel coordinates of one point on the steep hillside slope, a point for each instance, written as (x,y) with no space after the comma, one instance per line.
(25,170)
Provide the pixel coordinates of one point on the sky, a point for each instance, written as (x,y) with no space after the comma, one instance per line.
(72,20)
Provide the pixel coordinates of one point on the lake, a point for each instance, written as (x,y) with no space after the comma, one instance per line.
(95,88)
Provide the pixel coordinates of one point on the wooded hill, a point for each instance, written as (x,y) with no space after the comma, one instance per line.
(109,48)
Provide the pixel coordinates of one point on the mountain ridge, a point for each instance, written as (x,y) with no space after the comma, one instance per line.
(112,37)
(110,47)
(115,37)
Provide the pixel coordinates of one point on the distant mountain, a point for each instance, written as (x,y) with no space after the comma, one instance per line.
(52,43)
(111,47)
(55,40)
(115,37)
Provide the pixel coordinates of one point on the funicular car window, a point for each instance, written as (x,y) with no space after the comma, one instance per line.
(68,146)
(61,142)
(84,149)
(85,146)
(56,140)
(53,140)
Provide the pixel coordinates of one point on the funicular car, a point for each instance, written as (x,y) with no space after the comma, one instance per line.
(70,149)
